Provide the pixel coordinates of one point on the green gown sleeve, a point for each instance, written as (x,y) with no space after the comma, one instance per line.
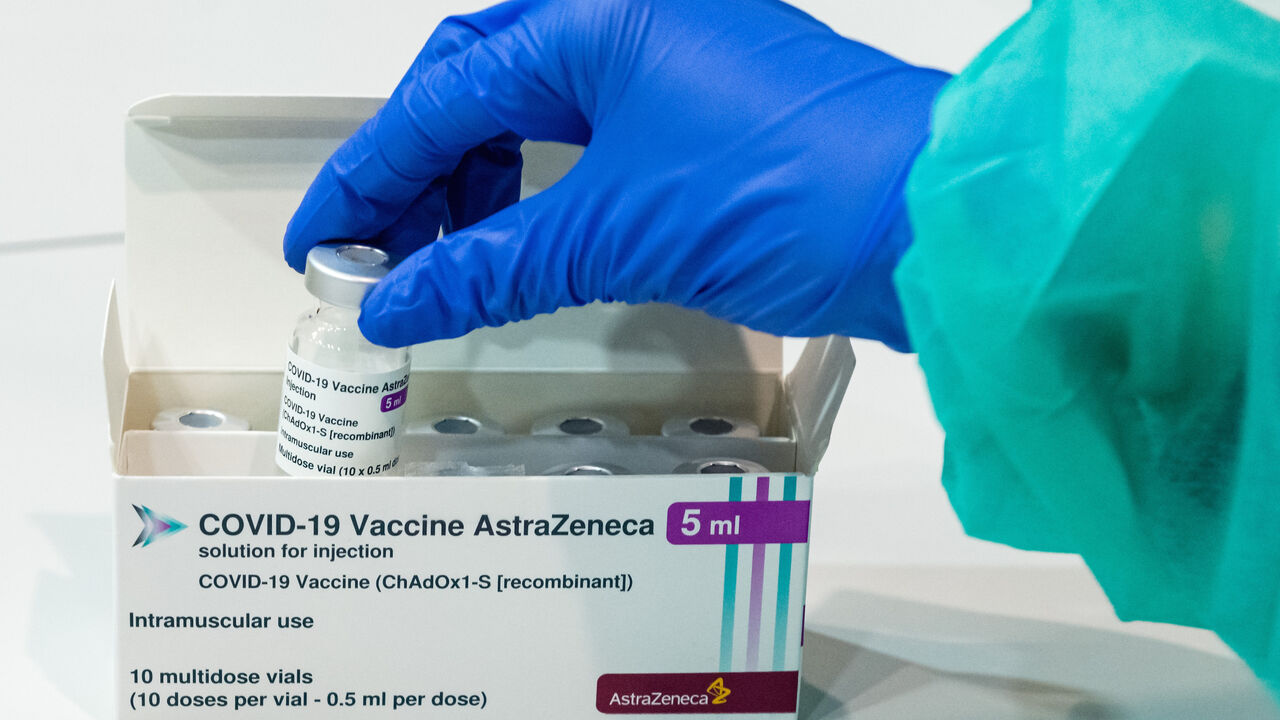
(1094,292)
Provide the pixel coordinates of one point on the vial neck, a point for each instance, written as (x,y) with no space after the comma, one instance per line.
(337,313)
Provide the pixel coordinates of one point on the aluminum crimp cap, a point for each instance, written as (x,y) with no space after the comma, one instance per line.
(340,273)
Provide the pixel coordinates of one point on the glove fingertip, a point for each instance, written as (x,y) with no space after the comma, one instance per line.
(299,233)
(387,321)
(375,328)
(295,258)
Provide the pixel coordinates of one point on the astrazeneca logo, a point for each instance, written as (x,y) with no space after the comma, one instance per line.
(719,693)
(155,526)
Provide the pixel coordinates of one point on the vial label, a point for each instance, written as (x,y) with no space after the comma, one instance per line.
(340,423)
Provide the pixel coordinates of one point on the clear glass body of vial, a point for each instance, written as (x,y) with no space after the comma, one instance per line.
(342,400)
(328,335)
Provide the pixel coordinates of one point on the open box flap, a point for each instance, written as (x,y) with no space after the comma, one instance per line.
(115,370)
(211,182)
(815,388)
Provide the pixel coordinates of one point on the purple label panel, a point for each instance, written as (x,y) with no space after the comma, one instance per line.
(394,400)
(697,693)
(738,523)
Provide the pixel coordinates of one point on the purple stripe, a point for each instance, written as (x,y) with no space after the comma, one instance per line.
(757,587)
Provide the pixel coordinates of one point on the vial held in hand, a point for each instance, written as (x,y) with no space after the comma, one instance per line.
(342,403)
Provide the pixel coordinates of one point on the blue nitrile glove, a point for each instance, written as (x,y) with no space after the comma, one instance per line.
(741,158)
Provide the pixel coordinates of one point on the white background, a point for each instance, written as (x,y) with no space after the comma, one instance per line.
(68,72)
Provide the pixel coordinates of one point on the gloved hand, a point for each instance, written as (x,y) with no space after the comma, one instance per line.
(741,158)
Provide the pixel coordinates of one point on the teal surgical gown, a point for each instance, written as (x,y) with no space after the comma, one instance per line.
(1095,296)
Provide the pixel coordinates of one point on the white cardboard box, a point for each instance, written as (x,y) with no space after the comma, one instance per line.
(241,593)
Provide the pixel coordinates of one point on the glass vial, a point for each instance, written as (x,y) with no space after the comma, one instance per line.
(342,402)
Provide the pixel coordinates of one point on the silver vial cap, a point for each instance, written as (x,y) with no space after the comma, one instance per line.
(340,273)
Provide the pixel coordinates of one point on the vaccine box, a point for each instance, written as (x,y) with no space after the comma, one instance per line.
(497,591)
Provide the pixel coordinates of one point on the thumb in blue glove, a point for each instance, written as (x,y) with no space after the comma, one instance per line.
(741,158)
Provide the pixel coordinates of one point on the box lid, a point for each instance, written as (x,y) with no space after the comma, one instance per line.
(211,182)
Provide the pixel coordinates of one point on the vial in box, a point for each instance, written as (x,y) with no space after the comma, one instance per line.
(342,403)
